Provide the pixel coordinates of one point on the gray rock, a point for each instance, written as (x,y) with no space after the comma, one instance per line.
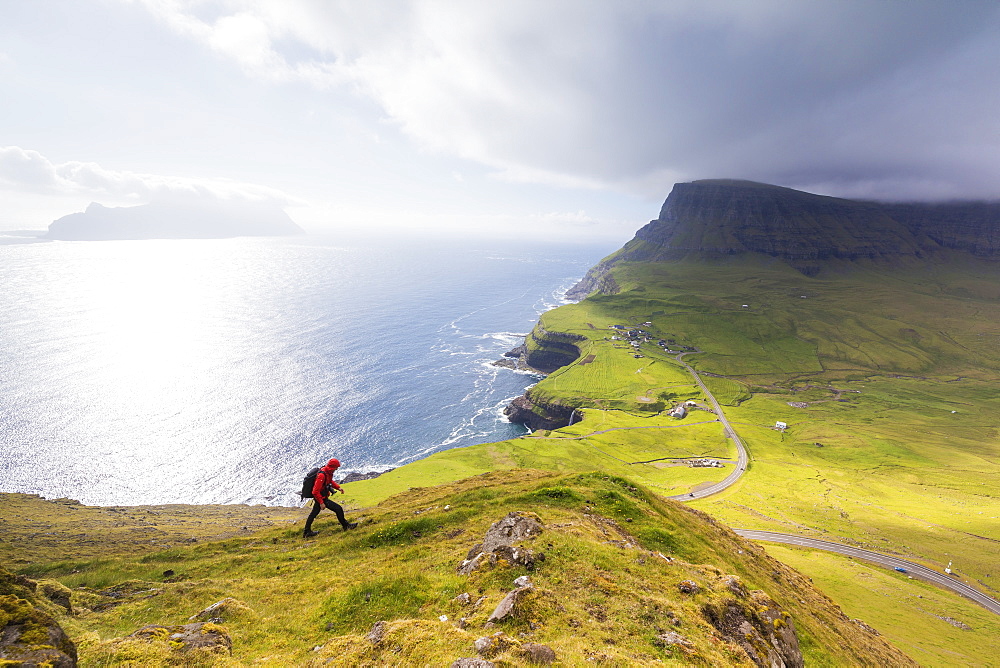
(688,587)
(522,581)
(494,644)
(464,598)
(472,662)
(760,627)
(58,651)
(59,594)
(189,636)
(216,611)
(736,587)
(671,639)
(508,605)
(539,654)
(377,634)
(498,543)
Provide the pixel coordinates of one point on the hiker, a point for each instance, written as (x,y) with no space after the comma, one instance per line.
(321,490)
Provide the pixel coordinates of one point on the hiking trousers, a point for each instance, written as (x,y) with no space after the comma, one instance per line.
(330,505)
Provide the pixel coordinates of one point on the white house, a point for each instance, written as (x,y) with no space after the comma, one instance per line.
(781,425)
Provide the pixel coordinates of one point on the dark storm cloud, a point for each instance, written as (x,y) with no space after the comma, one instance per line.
(891,99)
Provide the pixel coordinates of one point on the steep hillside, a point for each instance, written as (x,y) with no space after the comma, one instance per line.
(717,218)
(593,567)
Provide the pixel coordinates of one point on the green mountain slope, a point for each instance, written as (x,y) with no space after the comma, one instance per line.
(617,577)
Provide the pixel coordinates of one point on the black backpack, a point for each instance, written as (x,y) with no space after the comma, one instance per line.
(308,482)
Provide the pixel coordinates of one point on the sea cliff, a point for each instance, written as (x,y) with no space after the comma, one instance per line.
(543,352)
(718,218)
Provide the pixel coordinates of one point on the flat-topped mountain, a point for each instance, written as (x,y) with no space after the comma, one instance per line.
(727,217)
(195,219)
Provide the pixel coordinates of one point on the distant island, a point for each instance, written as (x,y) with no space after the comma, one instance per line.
(188,219)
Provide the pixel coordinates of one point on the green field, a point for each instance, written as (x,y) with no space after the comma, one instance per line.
(886,377)
(935,628)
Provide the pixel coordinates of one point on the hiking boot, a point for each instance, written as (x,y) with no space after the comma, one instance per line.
(350,525)
(309,534)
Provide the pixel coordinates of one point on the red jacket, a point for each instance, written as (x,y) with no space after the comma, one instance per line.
(324,480)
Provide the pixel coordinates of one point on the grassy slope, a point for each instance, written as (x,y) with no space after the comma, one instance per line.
(877,457)
(602,595)
(33,529)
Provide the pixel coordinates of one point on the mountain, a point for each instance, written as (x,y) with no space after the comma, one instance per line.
(718,218)
(187,219)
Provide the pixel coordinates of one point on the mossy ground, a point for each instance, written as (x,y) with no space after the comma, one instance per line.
(33,529)
(614,556)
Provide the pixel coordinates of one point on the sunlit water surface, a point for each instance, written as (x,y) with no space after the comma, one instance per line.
(137,372)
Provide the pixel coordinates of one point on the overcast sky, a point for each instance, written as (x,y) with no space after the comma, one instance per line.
(545,117)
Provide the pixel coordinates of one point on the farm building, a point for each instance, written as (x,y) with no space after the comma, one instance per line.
(702,463)
(679,411)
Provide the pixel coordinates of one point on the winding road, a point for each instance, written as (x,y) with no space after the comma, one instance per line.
(896,563)
(743,457)
(911,568)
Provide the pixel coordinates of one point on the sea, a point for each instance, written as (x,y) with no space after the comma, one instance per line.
(220,371)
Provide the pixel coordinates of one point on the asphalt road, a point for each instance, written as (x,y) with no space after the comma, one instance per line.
(911,568)
(743,458)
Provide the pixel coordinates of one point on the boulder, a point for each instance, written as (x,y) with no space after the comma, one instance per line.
(672,639)
(30,637)
(507,607)
(495,644)
(220,611)
(377,633)
(688,587)
(201,636)
(498,543)
(538,654)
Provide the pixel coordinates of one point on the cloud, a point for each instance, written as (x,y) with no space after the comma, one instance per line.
(893,99)
(28,170)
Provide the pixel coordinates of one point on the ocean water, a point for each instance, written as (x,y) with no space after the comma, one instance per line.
(219,371)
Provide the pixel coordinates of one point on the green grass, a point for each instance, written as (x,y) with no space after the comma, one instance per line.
(880,358)
(613,557)
(932,626)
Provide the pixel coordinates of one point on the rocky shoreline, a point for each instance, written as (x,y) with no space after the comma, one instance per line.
(526,410)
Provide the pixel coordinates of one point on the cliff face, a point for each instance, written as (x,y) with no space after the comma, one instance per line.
(721,217)
(738,216)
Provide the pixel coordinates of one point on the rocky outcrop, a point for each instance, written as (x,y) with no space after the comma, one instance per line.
(30,636)
(199,638)
(542,351)
(498,543)
(756,623)
(535,416)
(719,218)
